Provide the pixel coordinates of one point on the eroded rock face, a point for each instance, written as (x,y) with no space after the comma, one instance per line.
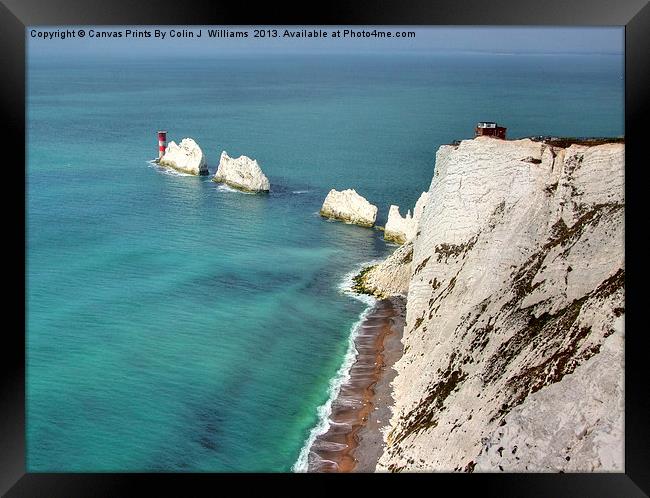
(391,277)
(397,229)
(514,326)
(242,173)
(350,207)
(403,230)
(585,436)
(186,157)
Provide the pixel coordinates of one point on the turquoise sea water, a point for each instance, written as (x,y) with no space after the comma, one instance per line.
(175,325)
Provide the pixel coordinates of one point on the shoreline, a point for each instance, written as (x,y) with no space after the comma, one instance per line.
(354,440)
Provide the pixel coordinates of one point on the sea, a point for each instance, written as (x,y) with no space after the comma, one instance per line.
(174,324)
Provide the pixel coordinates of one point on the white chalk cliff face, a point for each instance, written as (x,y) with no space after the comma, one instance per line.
(350,207)
(513,344)
(391,277)
(186,157)
(403,230)
(242,173)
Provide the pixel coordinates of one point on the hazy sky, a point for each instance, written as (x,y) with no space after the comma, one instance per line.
(609,40)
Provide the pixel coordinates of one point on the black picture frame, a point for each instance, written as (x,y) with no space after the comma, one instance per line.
(15,15)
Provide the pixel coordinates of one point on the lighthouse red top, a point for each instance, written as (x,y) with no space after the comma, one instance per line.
(162,142)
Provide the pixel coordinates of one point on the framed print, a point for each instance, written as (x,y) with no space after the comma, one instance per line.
(387,239)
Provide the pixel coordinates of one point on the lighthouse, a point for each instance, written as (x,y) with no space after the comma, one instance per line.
(162,143)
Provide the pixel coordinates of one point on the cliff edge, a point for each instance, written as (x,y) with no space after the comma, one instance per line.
(513,343)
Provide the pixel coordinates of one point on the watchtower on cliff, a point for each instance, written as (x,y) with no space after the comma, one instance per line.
(490,129)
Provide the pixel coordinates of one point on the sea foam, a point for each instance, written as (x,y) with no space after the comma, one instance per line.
(164,170)
(343,374)
(222,187)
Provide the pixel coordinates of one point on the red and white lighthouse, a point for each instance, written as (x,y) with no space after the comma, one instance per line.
(162,143)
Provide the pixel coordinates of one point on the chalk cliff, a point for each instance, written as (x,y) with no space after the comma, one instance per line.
(350,207)
(242,173)
(391,277)
(513,343)
(186,157)
(400,229)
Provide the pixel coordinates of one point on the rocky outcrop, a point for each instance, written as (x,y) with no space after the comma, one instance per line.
(186,157)
(514,328)
(400,229)
(391,277)
(350,207)
(241,173)
(592,419)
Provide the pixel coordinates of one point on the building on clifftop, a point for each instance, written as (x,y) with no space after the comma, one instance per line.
(490,129)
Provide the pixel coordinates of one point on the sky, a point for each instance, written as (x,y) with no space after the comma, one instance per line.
(507,40)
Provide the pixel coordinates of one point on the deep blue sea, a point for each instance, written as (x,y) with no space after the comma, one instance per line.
(173,324)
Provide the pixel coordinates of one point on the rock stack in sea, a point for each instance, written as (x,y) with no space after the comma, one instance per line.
(350,207)
(186,157)
(241,173)
(400,229)
(513,343)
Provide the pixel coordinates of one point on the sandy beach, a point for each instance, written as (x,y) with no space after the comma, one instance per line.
(354,440)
